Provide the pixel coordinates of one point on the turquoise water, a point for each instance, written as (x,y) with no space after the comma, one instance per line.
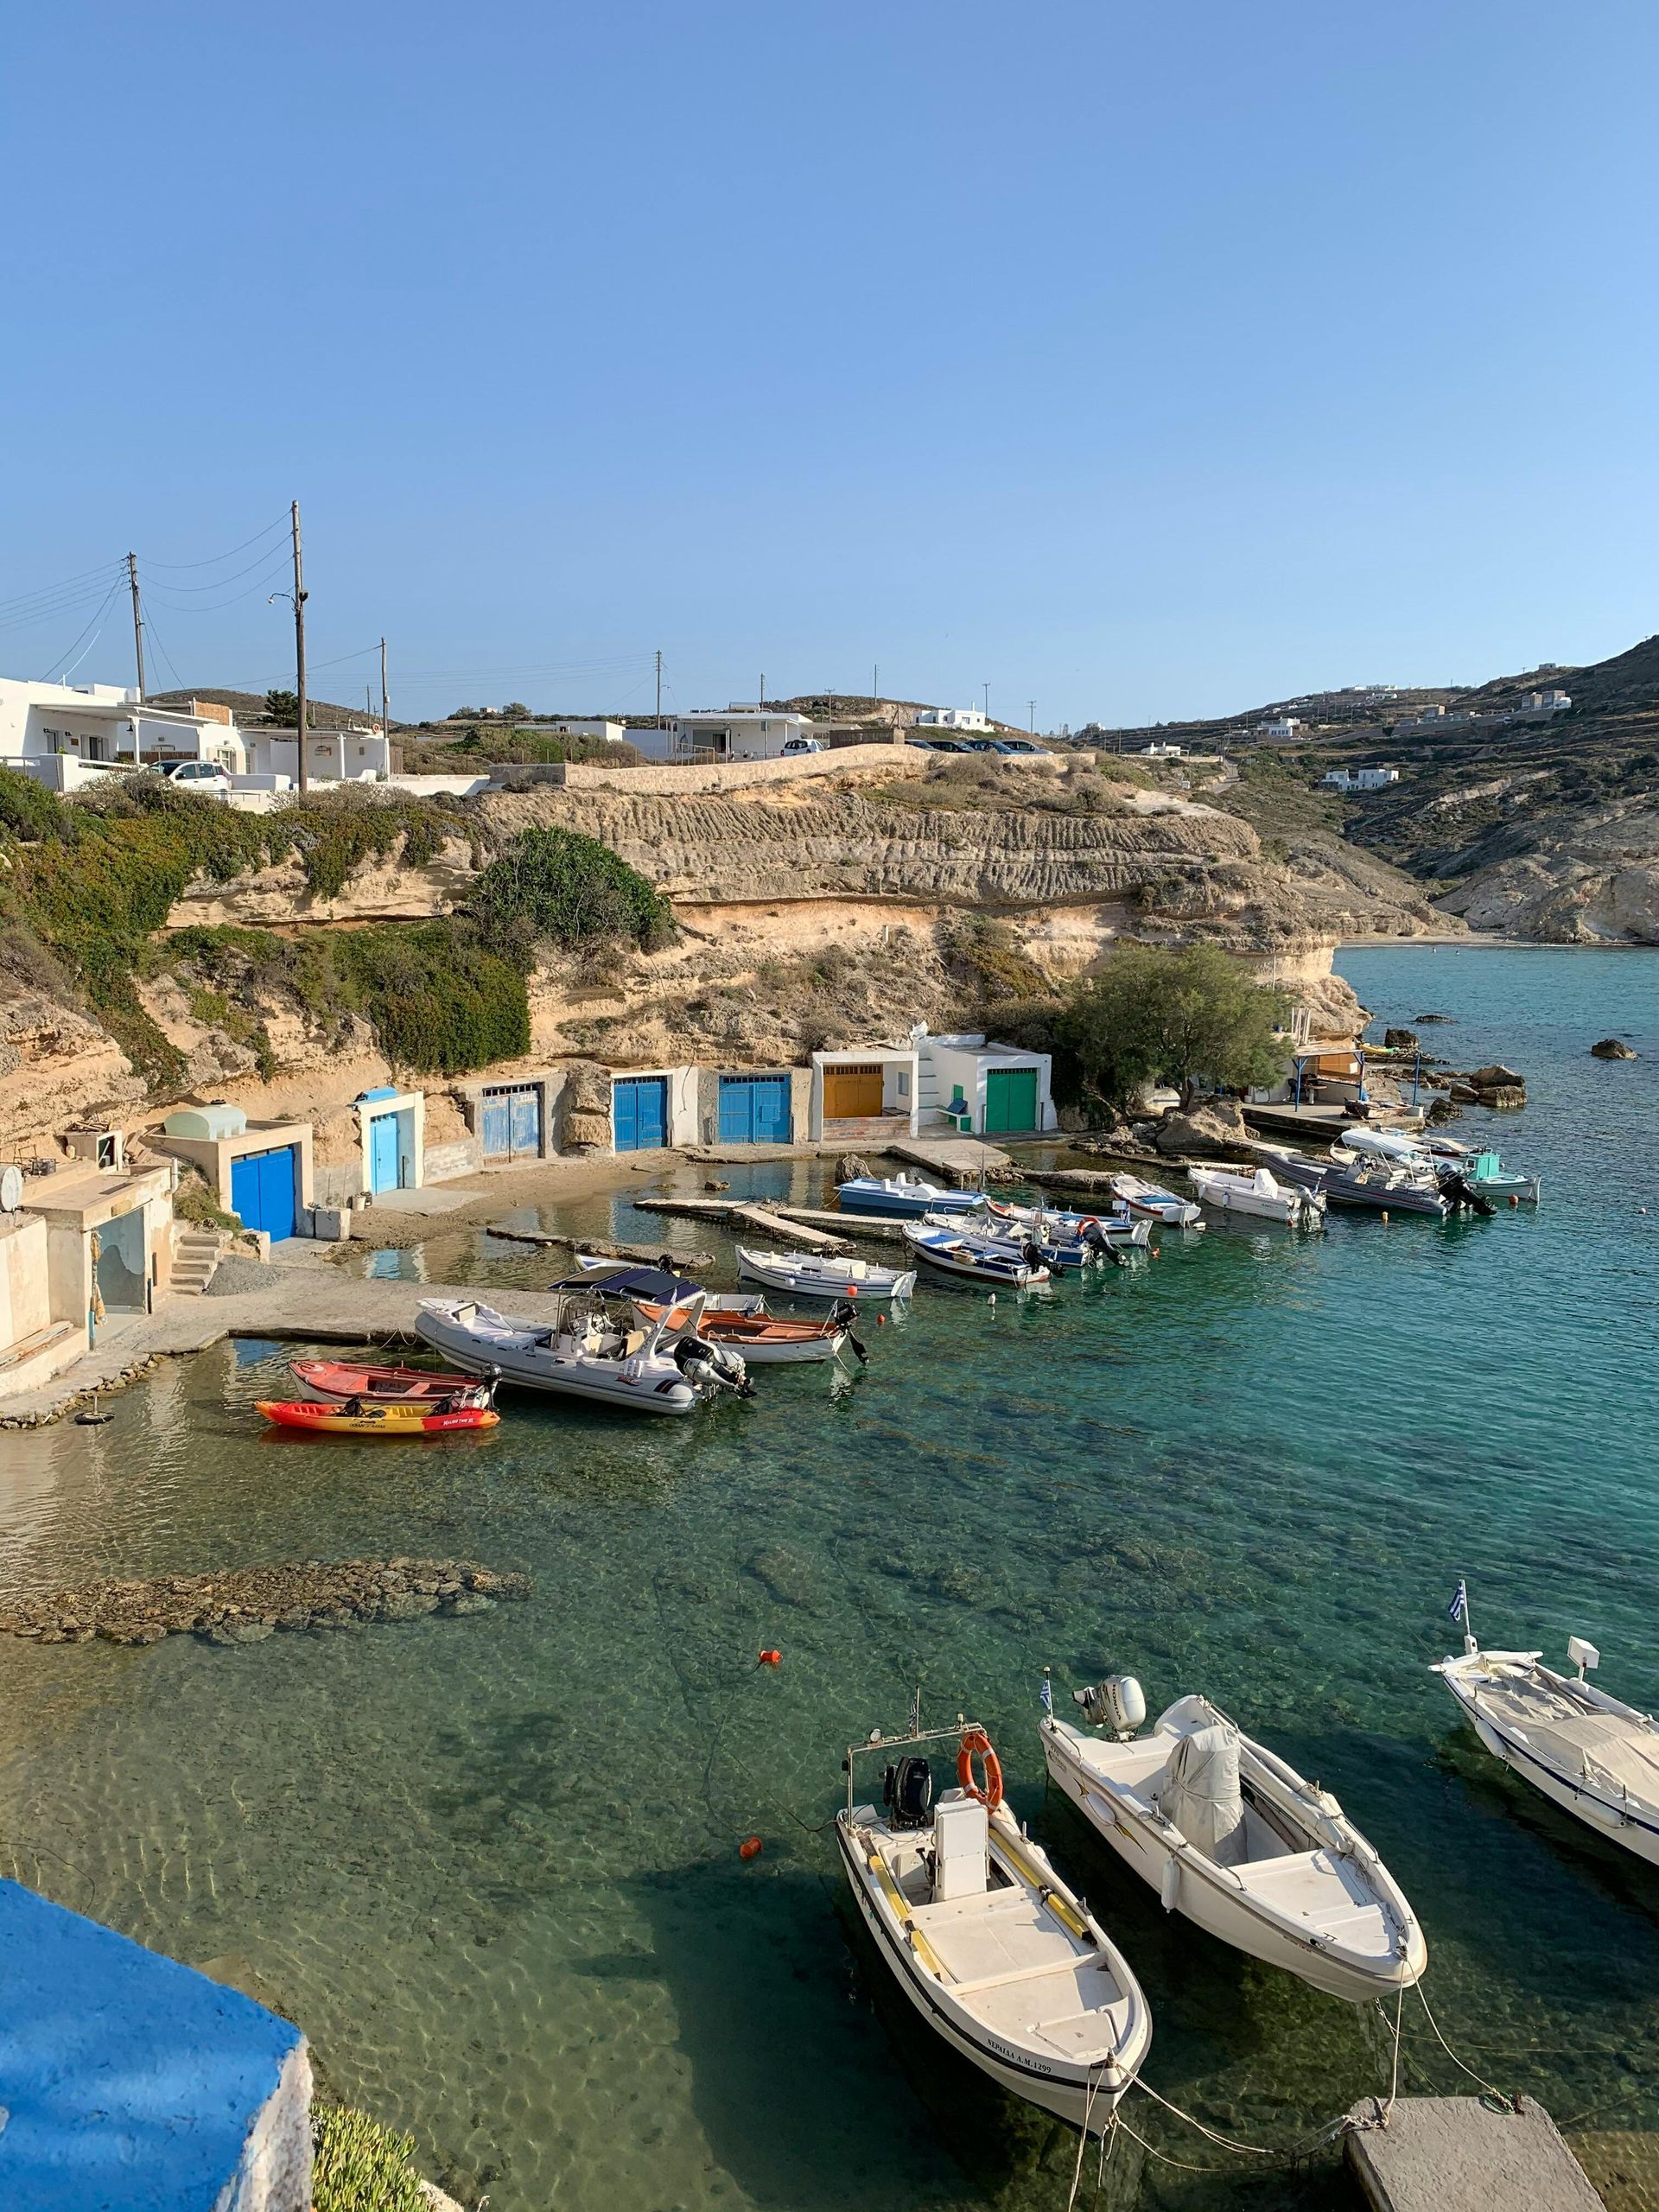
(491,1865)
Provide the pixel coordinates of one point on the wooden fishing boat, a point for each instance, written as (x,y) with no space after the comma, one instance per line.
(775,1339)
(977,1259)
(902,1197)
(403,1386)
(996,1954)
(1156,1203)
(363,1417)
(819,1275)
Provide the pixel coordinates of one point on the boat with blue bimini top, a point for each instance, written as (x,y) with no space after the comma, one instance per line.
(902,1197)
(983,1935)
(995,1263)
(1584,1751)
(593,1347)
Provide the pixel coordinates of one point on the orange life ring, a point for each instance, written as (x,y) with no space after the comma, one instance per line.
(976,1744)
(1087,1220)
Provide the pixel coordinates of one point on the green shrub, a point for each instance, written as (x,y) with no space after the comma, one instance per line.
(360,2165)
(441,1002)
(27,808)
(557,886)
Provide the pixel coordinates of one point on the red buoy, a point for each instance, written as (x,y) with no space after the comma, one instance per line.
(770,1658)
(1513,1200)
(880,1320)
(751,1847)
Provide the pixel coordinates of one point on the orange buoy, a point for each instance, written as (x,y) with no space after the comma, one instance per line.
(1513,1200)
(770,1658)
(880,1320)
(977,1743)
(751,1847)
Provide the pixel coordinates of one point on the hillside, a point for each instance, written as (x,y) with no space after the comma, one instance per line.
(1541,826)
(249,707)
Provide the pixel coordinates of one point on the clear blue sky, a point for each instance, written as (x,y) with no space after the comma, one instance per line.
(1147,360)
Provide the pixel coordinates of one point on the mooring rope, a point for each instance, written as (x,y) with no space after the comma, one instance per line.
(1507,2102)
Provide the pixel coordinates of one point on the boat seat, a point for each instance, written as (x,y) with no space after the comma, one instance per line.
(1001,1936)
(1326,1892)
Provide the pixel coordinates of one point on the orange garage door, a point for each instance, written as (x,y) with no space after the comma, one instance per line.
(847,1091)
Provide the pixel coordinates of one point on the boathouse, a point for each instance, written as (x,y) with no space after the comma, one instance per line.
(651,1108)
(863,1094)
(753,1105)
(259,1171)
(982,1089)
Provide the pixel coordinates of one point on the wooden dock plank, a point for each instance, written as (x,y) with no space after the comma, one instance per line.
(1456,2154)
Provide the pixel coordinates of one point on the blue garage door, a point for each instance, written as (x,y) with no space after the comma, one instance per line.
(262,1190)
(640,1112)
(512,1121)
(754,1109)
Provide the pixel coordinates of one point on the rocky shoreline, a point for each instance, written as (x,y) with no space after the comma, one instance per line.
(247,1605)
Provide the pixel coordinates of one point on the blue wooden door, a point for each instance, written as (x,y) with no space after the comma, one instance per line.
(498,1126)
(525,1116)
(754,1109)
(640,1112)
(383,1152)
(262,1191)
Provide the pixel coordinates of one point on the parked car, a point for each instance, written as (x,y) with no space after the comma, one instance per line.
(197,775)
(1016,745)
(802,745)
(947,744)
(983,744)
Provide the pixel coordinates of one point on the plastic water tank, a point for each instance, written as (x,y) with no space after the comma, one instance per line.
(209,1122)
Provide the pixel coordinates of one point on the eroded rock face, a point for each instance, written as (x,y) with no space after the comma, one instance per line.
(58,1069)
(1214,1131)
(1585,877)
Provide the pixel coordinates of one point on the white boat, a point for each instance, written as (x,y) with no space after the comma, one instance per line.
(991,1946)
(1229,1834)
(1115,1229)
(901,1197)
(819,1275)
(589,1349)
(1584,1751)
(1156,1203)
(1233,1190)
(979,1259)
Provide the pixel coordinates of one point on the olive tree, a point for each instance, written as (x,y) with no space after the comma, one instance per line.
(1189,1016)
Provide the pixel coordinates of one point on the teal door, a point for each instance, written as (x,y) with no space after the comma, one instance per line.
(1010,1101)
(383,1152)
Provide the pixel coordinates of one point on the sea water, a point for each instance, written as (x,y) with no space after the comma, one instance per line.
(492,1865)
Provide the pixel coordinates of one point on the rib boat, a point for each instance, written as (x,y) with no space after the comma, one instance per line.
(819,1275)
(1584,1751)
(1232,1836)
(984,1937)
(594,1348)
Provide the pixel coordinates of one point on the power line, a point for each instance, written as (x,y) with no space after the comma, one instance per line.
(220,583)
(96,620)
(272,570)
(280,524)
(87,580)
(179,683)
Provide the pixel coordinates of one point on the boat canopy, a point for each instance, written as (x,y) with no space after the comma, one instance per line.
(654,1285)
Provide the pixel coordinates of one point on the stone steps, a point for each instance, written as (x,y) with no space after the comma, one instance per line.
(196,1255)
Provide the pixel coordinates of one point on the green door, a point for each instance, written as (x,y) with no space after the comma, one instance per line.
(1010,1100)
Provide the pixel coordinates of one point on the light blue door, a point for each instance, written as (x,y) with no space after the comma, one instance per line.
(640,1112)
(524,1119)
(383,1152)
(754,1109)
(498,1126)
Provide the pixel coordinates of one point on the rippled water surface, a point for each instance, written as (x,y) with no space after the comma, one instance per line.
(491,1865)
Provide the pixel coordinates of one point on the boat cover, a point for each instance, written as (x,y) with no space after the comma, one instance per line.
(1199,1793)
(1578,1740)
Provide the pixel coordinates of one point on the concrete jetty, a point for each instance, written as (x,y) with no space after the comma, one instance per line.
(962,1161)
(1456,2154)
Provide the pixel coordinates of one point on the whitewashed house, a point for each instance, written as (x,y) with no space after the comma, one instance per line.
(67,735)
(1279,726)
(741,733)
(1359,779)
(1545,702)
(969,719)
(360,754)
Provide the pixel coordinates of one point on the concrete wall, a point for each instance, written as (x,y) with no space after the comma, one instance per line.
(216,1156)
(73,1205)
(133,2082)
(25,1300)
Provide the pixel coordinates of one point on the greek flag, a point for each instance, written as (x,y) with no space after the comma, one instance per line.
(1458,1608)
(1048,1696)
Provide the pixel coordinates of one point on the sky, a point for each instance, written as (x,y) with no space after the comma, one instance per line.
(1142,362)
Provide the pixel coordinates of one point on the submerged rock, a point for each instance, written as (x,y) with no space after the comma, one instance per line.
(248,1604)
(1612,1048)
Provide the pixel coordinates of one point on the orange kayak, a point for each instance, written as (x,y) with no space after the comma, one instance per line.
(356,1418)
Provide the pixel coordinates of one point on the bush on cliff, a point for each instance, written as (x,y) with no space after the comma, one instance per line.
(556,886)
(1190,1016)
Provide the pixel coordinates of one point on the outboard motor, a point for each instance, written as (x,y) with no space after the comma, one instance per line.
(716,1367)
(1119,1703)
(1460,1191)
(1031,1255)
(908,1792)
(843,1313)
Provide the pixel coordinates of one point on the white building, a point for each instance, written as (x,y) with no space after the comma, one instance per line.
(1281,726)
(1545,702)
(613,733)
(982,1087)
(959,718)
(1359,779)
(1161,752)
(357,755)
(66,734)
(741,733)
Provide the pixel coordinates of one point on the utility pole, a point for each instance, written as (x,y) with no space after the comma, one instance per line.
(1031,717)
(875,681)
(385,724)
(988,701)
(763,690)
(659,687)
(138,620)
(299,646)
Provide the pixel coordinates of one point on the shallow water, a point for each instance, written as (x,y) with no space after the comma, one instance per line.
(491,1865)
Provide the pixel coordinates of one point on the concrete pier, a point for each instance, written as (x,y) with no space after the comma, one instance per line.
(1456,2154)
(962,1162)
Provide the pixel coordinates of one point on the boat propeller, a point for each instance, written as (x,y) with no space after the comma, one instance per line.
(842,1314)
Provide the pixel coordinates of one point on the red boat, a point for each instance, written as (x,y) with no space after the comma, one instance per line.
(386,1386)
(364,1417)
